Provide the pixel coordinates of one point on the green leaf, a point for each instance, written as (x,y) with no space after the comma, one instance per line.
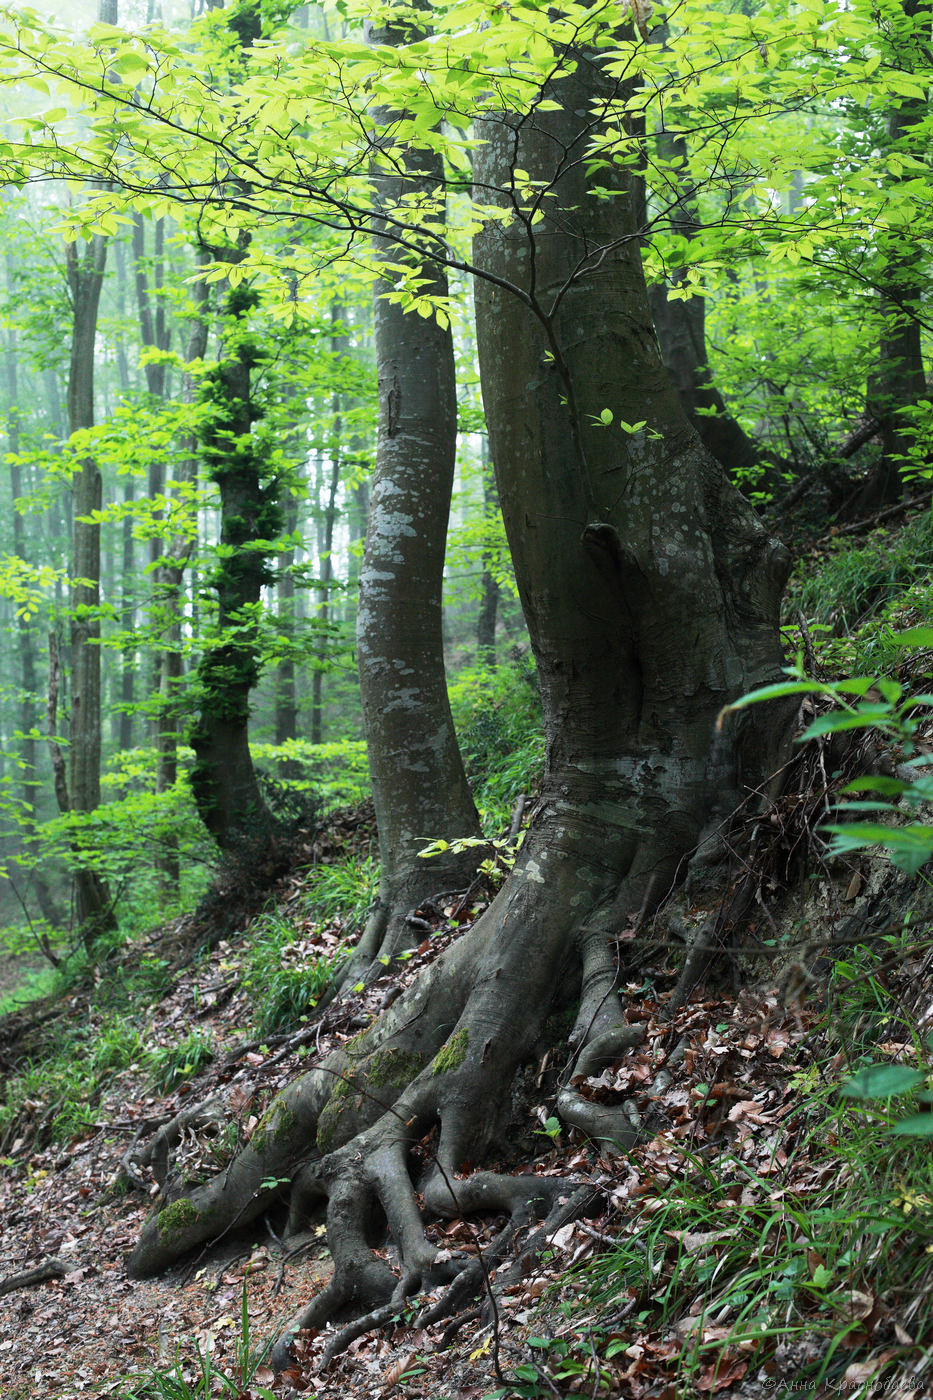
(917,1125)
(881,1082)
(914,637)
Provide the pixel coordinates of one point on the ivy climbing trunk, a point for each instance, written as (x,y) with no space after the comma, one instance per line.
(223,779)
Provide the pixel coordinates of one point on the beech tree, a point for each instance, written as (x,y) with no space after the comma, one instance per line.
(651,594)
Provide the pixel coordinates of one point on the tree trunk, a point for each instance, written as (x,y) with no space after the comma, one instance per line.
(899,382)
(420,789)
(489,585)
(681,331)
(338,343)
(223,779)
(286,694)
(28,709)
(85,279)
(122,721)
(168,603)
(651,595)
(154,335)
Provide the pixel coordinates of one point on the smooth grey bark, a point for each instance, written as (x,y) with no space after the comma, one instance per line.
(650,590)
(420,788)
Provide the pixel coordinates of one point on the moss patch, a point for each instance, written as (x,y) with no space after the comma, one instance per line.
(274,1124)
(391,1068)
(452,1053)
(179,1216)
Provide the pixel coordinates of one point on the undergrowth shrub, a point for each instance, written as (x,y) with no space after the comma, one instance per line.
(54,1098)
(172,1065)
(497,714)
(864,592)
(292,957)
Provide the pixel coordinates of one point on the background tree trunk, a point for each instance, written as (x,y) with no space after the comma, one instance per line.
(85,279)
(223,779)
(489,586)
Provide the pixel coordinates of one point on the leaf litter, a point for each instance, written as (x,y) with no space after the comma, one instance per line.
(715,1092)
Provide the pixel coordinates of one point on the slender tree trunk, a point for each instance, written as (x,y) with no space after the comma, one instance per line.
(899,382)
(28,707)
(286,694)
(169,599)
(154,335)
(123,713)
(85,279)
(326,565)
(489,585)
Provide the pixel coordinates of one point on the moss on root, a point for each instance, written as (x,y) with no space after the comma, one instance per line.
(390,1068)
(177,1217)
(452,1053)
(277,1121)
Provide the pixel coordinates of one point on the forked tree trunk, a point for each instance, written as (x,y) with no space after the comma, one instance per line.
(651,595)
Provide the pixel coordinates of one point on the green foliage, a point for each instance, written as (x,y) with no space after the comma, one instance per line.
(335,773)
(862,590)
(882,705)
(71,1081)
(497,714)
(202,1379)
(292,959)
(171,1065)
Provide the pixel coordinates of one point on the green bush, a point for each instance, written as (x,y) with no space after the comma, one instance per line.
(865,592)
(497,713)
(292,958)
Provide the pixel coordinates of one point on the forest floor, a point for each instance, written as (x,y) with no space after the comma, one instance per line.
(717,1257)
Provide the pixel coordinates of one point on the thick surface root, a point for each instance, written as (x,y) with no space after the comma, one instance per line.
(355,1136)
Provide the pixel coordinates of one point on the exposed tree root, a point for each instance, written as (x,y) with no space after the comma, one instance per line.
(49,1268)
(442,1057)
